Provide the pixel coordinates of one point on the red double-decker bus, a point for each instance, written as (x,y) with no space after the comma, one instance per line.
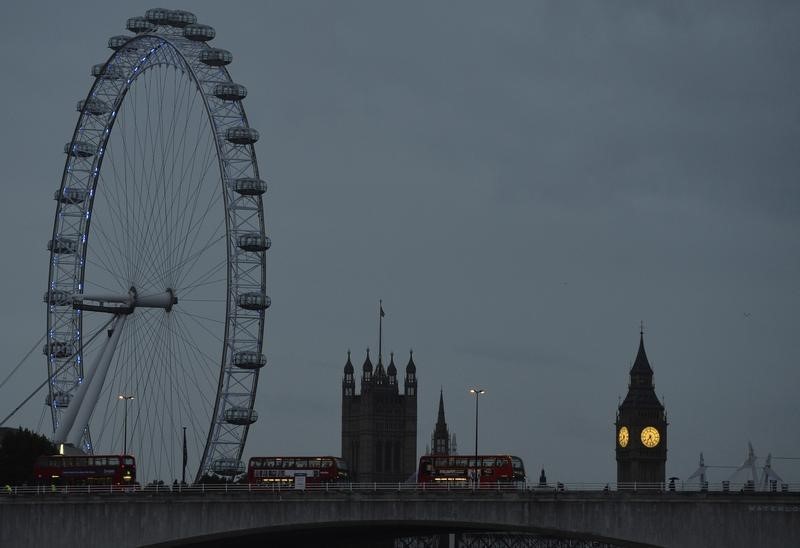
(462,469)
(85,470)
(284,470)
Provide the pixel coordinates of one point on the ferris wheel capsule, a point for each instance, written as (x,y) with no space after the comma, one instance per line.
(58,349)
(139,25)
(215,57)
(199,33)
(254,301)
(241,135)
(253,241)
(157,16)
(104,70)
(79,149)
(248,186)
(58,297)
(230,91)
(71,195)
(227,467)
(62,246)
(93,106)
(247,359)
(240,415)
(118,42)
(180,18)
(58,399)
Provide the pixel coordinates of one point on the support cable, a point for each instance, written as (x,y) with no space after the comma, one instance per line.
(36,344)
(26,400)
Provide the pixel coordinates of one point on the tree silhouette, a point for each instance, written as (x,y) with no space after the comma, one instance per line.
(19,450)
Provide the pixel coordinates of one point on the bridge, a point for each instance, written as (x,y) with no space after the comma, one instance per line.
(206,517)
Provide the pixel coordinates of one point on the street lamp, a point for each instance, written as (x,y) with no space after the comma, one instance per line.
(477,392)
(126,398)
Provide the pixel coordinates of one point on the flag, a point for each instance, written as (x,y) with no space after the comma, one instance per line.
(382,313)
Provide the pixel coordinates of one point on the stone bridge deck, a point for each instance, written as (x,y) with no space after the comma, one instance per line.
(336,518)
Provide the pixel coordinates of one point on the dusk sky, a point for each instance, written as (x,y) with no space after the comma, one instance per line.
(522,183)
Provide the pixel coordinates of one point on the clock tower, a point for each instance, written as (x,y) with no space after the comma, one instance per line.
(641,433)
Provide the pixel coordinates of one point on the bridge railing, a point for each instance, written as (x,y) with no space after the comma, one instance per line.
(460,488)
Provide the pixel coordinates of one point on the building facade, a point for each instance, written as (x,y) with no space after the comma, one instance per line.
(379,424)
(641,428)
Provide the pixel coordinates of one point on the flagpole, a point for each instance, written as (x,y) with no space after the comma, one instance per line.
(183,477)
(380,331)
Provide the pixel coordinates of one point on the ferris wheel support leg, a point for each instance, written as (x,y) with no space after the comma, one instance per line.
(81,407)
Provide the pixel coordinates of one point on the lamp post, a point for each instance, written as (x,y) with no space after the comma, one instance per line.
(477,392)
(125,398)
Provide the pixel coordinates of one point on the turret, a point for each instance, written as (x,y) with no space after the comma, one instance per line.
(411,376)
(349,382)
(391,371)
(366,373)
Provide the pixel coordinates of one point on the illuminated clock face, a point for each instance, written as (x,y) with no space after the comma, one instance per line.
(650,437)
(623,436)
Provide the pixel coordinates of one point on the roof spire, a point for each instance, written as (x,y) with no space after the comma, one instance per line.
(440,418)
(348,367)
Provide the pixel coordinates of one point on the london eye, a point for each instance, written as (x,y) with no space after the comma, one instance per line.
(156,295)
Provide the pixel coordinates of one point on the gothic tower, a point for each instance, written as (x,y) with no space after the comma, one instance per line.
(379,425)
(641,434)
(440,439)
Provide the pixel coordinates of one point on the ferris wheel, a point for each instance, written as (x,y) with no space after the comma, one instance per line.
(156,295)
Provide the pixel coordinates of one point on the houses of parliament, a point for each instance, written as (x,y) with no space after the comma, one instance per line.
(379,424)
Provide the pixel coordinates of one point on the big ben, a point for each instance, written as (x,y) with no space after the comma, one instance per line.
(641,428)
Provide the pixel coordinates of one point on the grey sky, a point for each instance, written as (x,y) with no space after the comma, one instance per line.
(520,182)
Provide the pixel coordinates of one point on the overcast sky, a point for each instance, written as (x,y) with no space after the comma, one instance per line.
(522,183)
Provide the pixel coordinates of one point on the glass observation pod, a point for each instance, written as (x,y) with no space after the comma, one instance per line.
(157,16)
(62,246)
(58,297)
(71,195)
(241,135)
(93,106)
(79,149)
(215,57)
(253,241)
(112,72)
(240,416)
(253,301)
(230,92)
(199,33)
(227,467)
(58,349)
(180,18)
(248,186)
(119,42)
(59,399)
(173,18)
(249,360)
(139,25)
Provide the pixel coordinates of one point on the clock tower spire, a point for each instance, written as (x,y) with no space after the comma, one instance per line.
(641,428)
